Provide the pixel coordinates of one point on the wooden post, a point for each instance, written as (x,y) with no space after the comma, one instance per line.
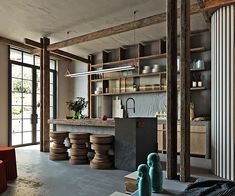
(46,94)
(185,91)
(41,97)
(171,89)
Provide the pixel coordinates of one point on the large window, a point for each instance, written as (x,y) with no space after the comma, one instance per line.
(24,97)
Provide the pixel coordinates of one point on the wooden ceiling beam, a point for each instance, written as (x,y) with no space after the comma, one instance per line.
(144,22)
(215,4)
(155,19)
(32,43)
(10,42)
(55,53)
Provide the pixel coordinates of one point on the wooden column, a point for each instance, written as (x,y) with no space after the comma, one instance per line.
(185,91)
(171,89)
(41,97)
(45,94)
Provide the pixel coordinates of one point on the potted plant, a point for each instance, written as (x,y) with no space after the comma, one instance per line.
(77,106)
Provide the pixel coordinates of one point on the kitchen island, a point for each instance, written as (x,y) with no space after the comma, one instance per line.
(95,126)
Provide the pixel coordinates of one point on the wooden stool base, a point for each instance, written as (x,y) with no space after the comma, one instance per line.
(101,145)
(78,152)
(101,165)
(58,157)
(58,151)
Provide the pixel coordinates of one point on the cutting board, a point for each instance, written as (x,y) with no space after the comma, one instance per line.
(117,112)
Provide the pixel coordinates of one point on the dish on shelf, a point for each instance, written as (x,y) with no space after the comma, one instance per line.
(146,71)
(147,67)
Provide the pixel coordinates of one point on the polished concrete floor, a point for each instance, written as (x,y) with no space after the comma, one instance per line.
(38,176)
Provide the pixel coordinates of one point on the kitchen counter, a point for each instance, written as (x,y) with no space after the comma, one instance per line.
(94,126)
(83,122)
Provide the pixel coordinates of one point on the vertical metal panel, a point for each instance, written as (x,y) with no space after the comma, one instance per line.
(223,13)
(223,89)
(228,143)
(232,90)
(212,93)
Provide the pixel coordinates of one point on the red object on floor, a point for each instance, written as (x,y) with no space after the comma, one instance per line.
(3,179)
(7,155)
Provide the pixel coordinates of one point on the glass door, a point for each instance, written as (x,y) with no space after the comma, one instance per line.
(24,97)
(22,105)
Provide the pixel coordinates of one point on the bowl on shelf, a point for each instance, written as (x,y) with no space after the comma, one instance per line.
(146,71)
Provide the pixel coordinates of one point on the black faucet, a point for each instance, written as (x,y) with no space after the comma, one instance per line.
(126,113)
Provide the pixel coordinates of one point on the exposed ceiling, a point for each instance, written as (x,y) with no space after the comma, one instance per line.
(33,19)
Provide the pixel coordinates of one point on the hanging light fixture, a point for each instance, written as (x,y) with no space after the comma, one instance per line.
(67,72)
(115,69)
(133,66)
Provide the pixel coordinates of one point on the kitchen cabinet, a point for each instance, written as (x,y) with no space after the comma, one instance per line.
(199,138)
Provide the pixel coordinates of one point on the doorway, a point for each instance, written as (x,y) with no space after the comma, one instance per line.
(24,97)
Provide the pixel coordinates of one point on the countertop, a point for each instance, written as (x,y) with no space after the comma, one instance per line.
(83,122)
(106,123)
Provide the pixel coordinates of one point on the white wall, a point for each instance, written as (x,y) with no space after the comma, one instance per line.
(65,89)
(4,95)
(81,83)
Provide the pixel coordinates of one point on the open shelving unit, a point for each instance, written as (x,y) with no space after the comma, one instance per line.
(123,83)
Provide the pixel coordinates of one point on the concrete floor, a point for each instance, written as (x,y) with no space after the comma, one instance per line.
(38,176)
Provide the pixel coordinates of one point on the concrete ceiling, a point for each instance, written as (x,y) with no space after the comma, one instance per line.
(32,19)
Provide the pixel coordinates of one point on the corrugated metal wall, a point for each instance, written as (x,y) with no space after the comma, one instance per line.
(222,59)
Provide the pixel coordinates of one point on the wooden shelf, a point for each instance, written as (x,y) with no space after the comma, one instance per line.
(140,92)
(197,69)
(154,56)
(198,88)
(133,76)
(133,92)
(142,75)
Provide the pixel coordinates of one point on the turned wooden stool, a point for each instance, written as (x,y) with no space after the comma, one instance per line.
(78,151)
(3,178)
(101,145)
(7,155)
(58,151)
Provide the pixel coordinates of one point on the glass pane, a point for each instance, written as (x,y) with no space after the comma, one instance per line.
(51,89)
(16,98)
(38,125)
(52,64)
(51,100)
(17,112)
(16,55)
(27,73)
(51,112)
(38,75)
(27,137)
(28,58)
(38,112)
(38,136)
(16,139)
(27,112)
(27,86)
(51,78)
(16,126)
(38,87)
(16,71)
(17,85)
(37,60)
(27,126)
(27,99)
